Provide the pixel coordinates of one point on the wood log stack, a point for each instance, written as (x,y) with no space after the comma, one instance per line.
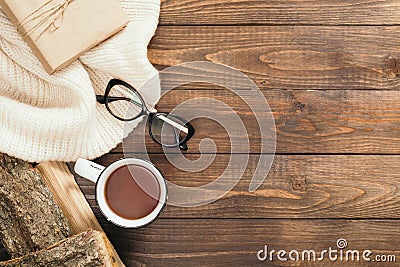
(34,230)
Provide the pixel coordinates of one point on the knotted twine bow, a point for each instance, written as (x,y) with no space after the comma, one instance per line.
(49,15)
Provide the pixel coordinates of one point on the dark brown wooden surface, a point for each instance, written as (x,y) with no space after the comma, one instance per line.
(330,71)
(279,12)
(290,57)
(320,121)
(235,242)
(297,186)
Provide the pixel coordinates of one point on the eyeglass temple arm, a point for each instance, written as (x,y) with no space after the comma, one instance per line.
(101,99)
(174,124)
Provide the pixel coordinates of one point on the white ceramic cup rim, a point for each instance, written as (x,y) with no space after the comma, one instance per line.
(106,209)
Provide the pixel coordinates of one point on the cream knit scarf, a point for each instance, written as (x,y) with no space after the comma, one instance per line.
(56,117)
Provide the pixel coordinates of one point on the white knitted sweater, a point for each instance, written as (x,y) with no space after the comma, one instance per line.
(56,117)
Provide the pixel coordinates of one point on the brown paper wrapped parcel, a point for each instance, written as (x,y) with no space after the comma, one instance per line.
(59,31)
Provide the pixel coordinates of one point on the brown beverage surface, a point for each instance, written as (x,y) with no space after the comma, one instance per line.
(132,191)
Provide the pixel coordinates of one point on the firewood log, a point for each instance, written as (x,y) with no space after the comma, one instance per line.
(30,220)
(89,248)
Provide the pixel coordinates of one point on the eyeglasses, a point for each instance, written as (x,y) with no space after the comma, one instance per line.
(125,103)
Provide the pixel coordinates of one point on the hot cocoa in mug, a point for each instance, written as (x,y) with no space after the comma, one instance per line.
(130,192)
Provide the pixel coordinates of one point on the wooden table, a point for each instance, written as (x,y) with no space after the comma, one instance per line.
(330,71)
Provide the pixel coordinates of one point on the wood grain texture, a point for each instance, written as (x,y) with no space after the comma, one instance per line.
(307,201)
(208,242)
(278,12)
(297,186)
(287,57)
(326,121)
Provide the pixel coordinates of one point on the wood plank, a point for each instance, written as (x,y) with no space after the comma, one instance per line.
(297,186)
(296,12)
(236,242)
(282,57)
(326,121)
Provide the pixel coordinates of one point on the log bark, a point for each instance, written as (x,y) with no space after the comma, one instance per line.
(89,248)
(30,220)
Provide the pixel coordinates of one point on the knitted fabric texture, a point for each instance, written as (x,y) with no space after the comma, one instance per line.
(56,117)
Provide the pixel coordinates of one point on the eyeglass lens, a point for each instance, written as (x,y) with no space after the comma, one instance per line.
(168,129)
(124,103)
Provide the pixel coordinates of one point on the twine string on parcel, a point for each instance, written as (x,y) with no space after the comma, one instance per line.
(49,15)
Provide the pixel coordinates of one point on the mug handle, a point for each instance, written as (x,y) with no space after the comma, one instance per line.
(88,169)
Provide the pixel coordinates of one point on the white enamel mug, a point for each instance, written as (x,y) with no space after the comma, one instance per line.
(100,174)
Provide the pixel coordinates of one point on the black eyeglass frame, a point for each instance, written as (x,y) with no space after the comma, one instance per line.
(106,99)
